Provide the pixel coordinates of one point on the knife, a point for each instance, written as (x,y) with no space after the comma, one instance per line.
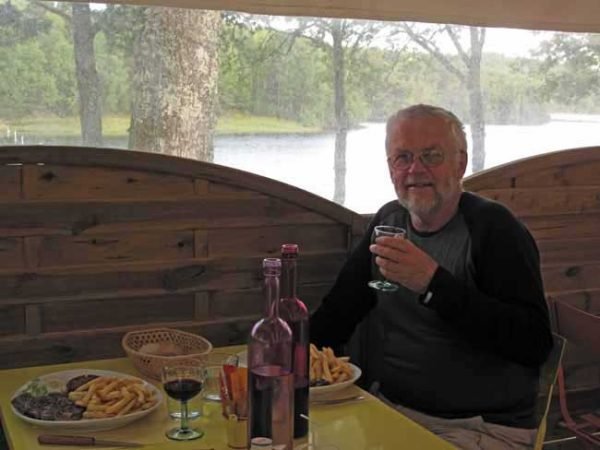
(57,439)
(335,401)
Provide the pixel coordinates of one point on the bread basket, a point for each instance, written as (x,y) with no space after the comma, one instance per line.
(191,346)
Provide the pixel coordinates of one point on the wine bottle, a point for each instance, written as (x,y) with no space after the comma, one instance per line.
(295,313)
(270,376)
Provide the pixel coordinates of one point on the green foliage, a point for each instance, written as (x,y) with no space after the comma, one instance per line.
(25,86)
(58,51)
(20,22)
(571,70)
(285,75)
(114,76)
(266,72)
(513,91)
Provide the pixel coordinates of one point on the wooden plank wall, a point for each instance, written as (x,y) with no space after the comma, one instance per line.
(557,195)
(96,242)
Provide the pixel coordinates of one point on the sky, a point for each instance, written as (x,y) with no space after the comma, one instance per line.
(513,42)
(507,41)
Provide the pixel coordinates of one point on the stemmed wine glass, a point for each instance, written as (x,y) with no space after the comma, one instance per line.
(183,382)
(386,230)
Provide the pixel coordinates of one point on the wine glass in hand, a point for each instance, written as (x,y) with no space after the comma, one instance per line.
(183,382)
(386,230)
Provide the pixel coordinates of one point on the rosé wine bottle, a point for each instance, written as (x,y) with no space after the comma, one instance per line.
(295,313)
(270,376)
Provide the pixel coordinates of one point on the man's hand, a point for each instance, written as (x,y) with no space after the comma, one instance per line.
(401,261)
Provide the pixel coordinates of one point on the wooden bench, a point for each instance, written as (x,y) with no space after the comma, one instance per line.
(96,242)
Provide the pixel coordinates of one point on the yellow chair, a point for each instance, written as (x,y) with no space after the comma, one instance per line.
(548,375)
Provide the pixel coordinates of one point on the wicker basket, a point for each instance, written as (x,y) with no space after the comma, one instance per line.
(192,345)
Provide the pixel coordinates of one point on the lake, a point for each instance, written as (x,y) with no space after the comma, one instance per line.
(307,161)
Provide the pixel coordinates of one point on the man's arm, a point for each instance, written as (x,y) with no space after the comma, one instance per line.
(348,301)
(506,312)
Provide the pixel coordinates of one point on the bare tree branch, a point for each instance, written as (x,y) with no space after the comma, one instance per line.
(359,38)
(395,61)
(434,51)
(54,10)
(456,41)
(480,38)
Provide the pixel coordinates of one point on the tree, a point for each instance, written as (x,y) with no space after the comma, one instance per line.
(342,38)
(570,68)
(175,83)
(88,82)
(25,85)
(469,76)
(270,72)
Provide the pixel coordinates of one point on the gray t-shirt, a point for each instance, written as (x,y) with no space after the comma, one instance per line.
(424,362)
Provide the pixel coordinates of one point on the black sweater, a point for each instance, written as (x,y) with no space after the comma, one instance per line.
(498,321)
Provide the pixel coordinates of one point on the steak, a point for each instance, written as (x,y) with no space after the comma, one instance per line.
(53,406)
(74,383)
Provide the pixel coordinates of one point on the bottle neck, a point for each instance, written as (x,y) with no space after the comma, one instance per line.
(288,277)
(272,295)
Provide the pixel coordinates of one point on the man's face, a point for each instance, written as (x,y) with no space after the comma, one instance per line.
(425,190)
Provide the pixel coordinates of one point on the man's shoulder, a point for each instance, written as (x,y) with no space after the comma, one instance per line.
(484,216)
(392,209)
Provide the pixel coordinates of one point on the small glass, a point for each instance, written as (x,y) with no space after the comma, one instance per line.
(386,230)
(195,408)
(237,432)
(215,362)
(183,383)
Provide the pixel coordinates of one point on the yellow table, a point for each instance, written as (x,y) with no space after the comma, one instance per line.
(364,425)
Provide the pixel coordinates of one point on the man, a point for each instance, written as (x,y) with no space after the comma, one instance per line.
(458,347)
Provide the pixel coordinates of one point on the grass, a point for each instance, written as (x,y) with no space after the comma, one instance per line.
(238,123)
(117,126)
(112,126)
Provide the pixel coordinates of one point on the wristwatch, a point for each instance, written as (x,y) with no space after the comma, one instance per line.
(425,298)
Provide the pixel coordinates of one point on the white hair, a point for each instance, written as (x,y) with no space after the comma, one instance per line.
(456,126)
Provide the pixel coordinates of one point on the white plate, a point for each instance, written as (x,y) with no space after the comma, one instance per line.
(316,390)
(59,380)
(325,390)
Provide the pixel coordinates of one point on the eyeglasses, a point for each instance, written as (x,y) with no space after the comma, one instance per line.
(429,158)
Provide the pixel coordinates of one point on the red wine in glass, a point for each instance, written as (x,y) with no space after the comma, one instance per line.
(184,382)
(183,390)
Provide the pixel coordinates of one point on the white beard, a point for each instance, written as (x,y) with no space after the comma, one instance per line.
(422,206)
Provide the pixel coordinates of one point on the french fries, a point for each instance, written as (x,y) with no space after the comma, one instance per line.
(105,397)
(326,368)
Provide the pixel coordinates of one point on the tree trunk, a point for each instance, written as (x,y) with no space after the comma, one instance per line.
(175,83)
(88,83)
(341,113)
(476,100)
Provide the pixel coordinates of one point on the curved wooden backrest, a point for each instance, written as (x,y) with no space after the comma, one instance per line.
(95,242)
(557,195)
